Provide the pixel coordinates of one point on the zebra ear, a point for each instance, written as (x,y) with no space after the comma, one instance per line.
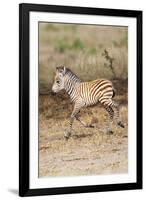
(64,70)
(57,68)
(61,69)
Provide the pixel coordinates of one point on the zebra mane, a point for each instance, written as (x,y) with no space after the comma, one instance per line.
(72,75)
(69,73)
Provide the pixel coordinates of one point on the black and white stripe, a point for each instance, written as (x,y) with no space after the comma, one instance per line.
(86,94)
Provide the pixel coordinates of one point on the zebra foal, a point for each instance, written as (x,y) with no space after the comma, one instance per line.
(86,94)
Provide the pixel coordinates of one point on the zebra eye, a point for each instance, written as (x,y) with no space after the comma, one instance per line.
(58,82)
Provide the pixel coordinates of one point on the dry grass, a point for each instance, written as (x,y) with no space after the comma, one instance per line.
(88,151)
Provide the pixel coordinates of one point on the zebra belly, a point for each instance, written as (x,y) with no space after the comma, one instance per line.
(90,102)
(90,99)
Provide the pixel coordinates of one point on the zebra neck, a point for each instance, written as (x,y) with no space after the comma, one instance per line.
(70,88)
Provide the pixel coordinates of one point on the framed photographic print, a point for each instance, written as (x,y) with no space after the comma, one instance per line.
(80,99)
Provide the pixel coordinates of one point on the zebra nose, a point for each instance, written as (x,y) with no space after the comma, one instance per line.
(52,89)
(53,93)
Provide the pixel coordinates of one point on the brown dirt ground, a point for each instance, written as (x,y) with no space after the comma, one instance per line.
(89,151)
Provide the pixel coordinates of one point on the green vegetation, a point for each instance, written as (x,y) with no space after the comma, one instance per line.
(78,44)
(62,45)
(123,41)
(93,51)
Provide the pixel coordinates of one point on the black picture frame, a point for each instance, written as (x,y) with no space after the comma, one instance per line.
(24,10)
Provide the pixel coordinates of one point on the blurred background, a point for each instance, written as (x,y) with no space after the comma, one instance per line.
(90,51)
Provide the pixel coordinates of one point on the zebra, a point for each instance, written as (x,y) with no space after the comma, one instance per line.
(85,94)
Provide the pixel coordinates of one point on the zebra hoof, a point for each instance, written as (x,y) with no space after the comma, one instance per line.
(110,132)
(89,126)
(67,135)
(121,124)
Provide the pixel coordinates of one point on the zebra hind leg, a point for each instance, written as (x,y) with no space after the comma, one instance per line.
(119,122)
(111,114)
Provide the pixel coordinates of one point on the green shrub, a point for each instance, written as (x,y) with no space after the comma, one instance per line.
(77,44)
(92,51)
(62,45)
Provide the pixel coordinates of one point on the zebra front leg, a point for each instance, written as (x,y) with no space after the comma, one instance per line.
(68,132)
(72,117)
